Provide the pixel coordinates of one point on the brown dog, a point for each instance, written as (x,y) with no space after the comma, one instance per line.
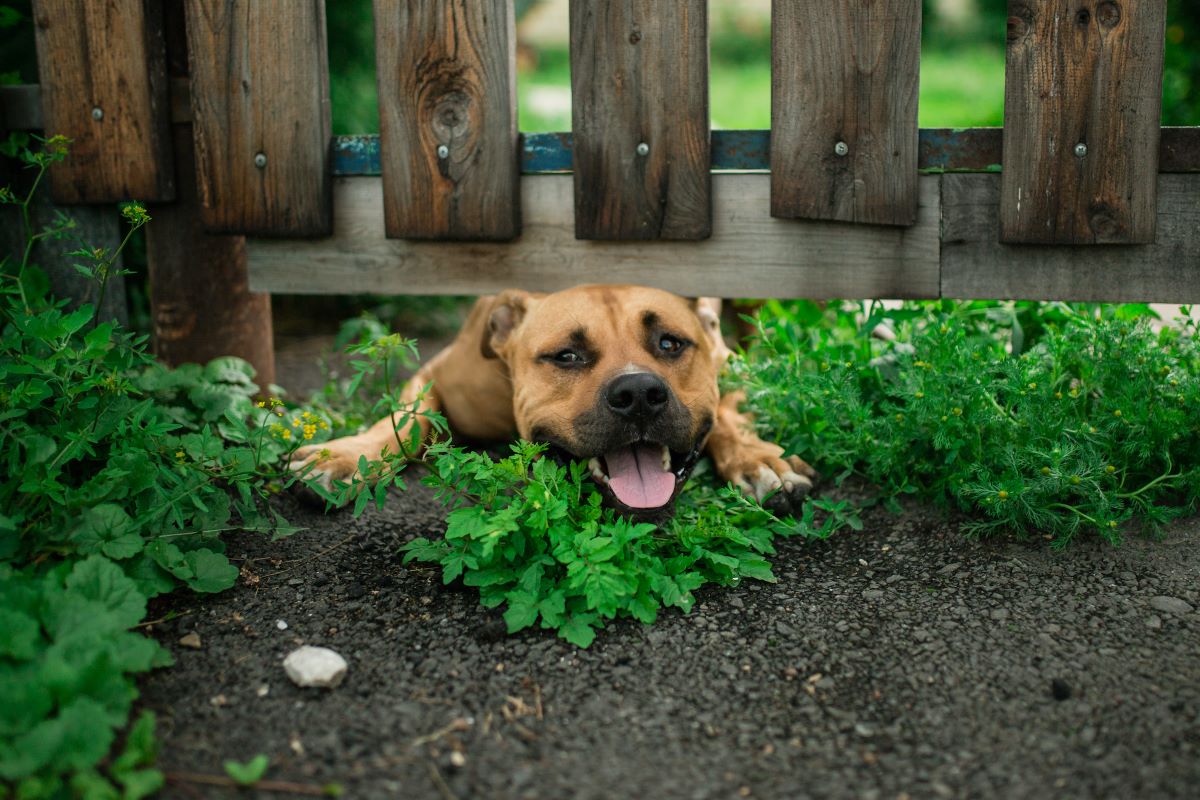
(623,377)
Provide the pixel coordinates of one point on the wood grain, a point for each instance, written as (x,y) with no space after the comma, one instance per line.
(845,71)
(103,80)
(976,265)
(1081,72)
(447,78)
(639,75)
(749,255)
(260,86)
(200,301)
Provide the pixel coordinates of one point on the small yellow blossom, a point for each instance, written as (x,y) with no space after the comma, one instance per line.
(1110,469)
(1003,495)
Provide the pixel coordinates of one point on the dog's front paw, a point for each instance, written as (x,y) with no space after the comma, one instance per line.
(780,483)
(335,460)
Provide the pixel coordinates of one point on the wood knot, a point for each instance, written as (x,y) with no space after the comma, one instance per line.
(1083,17)
(451,118)
(1108,14)
(1105,222)
(1020,21)
(635,36)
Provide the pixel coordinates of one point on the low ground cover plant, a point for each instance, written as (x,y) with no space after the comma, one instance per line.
(1035,418)
(117,478)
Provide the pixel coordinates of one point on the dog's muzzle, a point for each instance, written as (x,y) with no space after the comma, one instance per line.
(640,444)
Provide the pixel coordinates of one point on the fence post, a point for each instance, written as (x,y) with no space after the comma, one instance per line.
(1082,101)
(844,86)
(103,81)
(200,298)
(639,91)
(260,106)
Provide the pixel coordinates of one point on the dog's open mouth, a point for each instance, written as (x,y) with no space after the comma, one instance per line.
(639,478)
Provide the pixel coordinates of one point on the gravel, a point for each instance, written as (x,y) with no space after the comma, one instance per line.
(944,667)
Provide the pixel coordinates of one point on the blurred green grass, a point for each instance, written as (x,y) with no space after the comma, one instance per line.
(958,89)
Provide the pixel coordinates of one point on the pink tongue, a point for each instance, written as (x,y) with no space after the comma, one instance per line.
(636,476)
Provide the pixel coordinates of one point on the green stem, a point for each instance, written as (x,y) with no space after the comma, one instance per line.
(1075,511)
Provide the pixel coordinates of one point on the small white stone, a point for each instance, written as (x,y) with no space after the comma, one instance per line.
(191,640)
(263,690)
(315,666)
(281,625)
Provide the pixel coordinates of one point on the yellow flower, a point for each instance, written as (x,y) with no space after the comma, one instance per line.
(1058,395)
(1075,480)
(1117,413)
(1003,495)
(919,395)
(285,434)
(261,404)
(956,411)
(1033,385)
(295,422)
(179,454)
(1112,523)
(1045,470)
(1110,469)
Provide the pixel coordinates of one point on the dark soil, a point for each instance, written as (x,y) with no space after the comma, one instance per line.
(902,661)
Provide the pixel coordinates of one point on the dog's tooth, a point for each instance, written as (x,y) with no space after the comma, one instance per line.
(666,459)
(597,471)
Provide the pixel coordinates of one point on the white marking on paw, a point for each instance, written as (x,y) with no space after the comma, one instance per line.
(766,482)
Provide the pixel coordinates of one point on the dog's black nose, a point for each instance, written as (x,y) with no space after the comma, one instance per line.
(638,396)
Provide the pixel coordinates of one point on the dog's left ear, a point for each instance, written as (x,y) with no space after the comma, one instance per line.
(507,313)
(708,309)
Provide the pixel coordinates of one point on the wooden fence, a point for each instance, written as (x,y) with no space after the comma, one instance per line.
(843,197)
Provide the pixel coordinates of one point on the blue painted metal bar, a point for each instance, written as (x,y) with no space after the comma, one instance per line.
(939,150)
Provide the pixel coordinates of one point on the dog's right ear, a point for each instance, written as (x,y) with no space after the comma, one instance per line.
(507,312)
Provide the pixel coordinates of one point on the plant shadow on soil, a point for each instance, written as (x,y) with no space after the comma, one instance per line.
(905,659)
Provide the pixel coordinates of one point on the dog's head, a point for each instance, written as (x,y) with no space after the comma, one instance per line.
(623,377)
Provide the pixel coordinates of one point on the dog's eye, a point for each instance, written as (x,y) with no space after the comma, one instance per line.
(670,345)
(567,357)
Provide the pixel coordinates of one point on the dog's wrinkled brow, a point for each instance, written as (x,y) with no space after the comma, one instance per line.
(579,338)
(650,319)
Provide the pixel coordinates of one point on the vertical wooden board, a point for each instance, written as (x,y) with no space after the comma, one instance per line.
(1082,99)
(639,87)
(103,80)
(844,82)
(260,107)
(447,79)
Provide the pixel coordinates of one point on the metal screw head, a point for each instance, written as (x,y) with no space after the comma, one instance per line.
(1080,150)
(643,149)
(841,148)
(97,113)
(260,160)
(443,151)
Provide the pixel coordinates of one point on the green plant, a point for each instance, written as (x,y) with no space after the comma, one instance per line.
(117,478)
(249,773)
(532,535)
(1034,418)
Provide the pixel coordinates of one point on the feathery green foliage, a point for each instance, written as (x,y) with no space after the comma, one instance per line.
(1045,418)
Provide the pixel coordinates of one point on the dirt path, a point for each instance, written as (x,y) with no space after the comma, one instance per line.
(901,661)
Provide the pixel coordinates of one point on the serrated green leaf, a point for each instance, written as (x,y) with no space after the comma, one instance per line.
(210,572)
(522,610)
(578,631)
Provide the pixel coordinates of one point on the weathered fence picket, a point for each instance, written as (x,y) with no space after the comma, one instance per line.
(103,80)
(448,118)
(1081,159)
(1082,99)
(639,89)
(844,79)
(260,106)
